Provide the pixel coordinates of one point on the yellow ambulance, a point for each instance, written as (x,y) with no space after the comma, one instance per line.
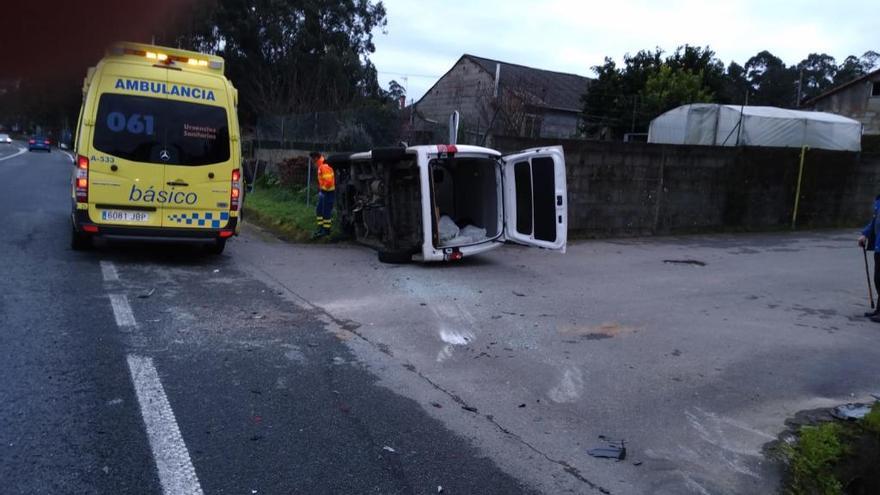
(158,151)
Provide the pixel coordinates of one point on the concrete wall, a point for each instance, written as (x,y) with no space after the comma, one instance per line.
(619,189)
(856,103)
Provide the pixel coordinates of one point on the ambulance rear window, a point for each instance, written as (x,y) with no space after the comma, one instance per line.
(155,130)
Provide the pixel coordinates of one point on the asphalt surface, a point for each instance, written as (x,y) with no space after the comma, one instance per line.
(267,396)
(316,369)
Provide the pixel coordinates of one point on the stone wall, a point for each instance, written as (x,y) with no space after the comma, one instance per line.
(641,189)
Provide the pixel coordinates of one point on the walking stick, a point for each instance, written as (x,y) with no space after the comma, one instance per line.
(868,277)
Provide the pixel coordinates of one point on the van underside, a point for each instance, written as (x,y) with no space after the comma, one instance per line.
(380,202)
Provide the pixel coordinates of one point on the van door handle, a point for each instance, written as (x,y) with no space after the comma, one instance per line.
(177,183)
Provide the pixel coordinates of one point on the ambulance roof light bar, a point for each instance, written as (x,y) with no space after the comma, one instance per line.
(168,59)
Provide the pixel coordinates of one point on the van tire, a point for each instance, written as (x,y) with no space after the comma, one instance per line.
(395,257)
(79,241)
(218,247)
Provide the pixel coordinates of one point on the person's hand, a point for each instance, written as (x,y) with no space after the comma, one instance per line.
(862,241)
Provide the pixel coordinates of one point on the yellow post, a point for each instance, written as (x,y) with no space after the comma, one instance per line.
(797,195)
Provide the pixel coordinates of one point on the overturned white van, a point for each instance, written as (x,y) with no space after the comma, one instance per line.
(445,202)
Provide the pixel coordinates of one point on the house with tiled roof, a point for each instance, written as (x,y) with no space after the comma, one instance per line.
(499,98)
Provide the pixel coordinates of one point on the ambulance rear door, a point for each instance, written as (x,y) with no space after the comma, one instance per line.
(199,153)
(535,208)
(123,181)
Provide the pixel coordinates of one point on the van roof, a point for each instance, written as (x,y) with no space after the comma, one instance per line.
(185,60)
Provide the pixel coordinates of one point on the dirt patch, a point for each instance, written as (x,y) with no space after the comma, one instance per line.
(605,330)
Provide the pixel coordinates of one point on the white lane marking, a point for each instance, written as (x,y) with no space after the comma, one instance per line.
(122,311)
(21,151)
(176,472)
(72,160)
(108,271)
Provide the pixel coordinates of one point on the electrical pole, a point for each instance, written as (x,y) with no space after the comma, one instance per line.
(797,104)
(632,127)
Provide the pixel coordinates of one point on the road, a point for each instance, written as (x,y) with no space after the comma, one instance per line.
(279,368)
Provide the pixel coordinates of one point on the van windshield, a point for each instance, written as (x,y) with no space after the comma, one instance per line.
(167,132)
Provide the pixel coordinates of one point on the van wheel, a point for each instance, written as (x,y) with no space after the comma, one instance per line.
(79,241)
(395,257)
(218,246)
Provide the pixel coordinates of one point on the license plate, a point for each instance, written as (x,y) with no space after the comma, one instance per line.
(124,216)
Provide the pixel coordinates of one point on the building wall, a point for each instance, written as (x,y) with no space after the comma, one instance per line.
(466,88)
(632,189)
(857,103)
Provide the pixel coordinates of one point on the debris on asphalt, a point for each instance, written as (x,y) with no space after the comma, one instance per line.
(469,408)
(637,463)
(259,317)
(147,294)
(216,270)
(437,405)
(517,294)
(686,262)
(389,449)
(851,411)
(313,344)
(615,449)
(439,489)
(521,405)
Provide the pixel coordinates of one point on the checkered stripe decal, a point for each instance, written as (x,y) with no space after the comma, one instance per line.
(215,220)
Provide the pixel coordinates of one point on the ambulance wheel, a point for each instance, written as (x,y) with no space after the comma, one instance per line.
(218,246)
(395,257)
(79,241)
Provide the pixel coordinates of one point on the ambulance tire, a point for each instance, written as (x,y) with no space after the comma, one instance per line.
(79,241)
(395,257)
(218,247)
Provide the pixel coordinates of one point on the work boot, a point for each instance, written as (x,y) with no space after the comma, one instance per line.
(319,233)
(873,312)
(875,318)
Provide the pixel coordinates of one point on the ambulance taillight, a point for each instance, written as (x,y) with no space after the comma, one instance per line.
(82,179)
(235,192)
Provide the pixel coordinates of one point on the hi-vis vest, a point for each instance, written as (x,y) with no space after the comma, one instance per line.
(326,178)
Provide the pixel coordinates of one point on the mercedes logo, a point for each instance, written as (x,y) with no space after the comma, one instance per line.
(164,155)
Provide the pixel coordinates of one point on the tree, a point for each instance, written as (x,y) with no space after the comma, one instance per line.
(855,67)
(771,81)
(395,91)
(817,73)
(669,88)
(293,56)
(735,86)
(700,61)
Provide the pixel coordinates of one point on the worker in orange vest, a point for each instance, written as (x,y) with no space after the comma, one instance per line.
(326,193)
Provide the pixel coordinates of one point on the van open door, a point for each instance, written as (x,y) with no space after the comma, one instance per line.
(535,201)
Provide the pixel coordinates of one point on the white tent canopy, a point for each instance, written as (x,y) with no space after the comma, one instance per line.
(719,125)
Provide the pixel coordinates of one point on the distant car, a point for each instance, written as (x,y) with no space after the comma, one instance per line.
(39,143)
(5,139)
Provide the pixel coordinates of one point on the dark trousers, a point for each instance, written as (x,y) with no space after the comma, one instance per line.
(324,210)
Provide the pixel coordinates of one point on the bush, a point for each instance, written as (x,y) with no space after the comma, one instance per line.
(812,460)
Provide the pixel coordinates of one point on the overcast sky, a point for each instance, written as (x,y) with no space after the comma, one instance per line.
(425,37)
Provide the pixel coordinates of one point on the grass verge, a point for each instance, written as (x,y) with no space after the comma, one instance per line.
(285,212)
(834,458)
